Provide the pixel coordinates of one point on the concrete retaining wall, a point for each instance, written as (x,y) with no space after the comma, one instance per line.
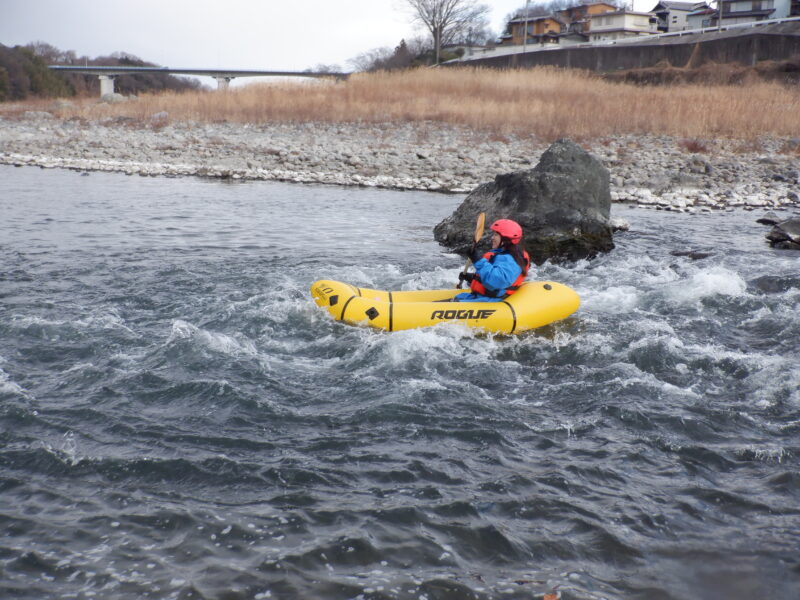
(746,48)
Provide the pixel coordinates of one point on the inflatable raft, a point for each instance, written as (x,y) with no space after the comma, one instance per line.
(535,304)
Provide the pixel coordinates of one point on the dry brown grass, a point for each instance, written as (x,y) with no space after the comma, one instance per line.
(545,102)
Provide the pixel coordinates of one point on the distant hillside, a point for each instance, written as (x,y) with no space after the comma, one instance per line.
(24,74)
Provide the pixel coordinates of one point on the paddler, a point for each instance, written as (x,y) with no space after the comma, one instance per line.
(500,271)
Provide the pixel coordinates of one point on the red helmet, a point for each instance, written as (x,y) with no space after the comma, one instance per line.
(508,229)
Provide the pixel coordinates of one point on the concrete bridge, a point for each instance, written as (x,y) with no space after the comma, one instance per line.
(107,75)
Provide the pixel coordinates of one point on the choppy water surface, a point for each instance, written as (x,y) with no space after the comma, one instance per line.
(178,419)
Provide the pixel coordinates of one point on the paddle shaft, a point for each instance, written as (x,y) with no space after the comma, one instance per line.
(479,224)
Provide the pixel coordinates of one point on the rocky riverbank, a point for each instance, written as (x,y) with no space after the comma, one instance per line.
(660,172)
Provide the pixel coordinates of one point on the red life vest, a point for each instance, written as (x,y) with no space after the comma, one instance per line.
(477,287)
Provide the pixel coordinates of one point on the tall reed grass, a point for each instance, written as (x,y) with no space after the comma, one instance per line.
(545,102)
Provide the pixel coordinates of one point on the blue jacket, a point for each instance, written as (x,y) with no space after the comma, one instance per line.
(496,275)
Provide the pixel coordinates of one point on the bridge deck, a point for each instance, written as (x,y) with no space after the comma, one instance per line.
(229,73)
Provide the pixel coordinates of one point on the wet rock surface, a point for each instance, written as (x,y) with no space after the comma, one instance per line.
(563,205)
(692,254)
(786,234)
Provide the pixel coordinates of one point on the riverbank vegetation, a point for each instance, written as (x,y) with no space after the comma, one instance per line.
(545,102)
(24,74)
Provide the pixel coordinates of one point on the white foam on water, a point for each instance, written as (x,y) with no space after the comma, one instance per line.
(637,270)
(237,306)
(715,281)
(630,375)
(104,321)
(65,450)
(363,276)
(439,278)
(719,353)
(765,312)
(765,453)
(767,372)
(602,340)
(280,312)
(10,387)
(789,307)
(131,359)
(446,339)
(78,367)
(215,341)
(70,448)
(22,321)
(614,299)
(657,333)
(423,385)
(109,320)
(568,426)
(48,329)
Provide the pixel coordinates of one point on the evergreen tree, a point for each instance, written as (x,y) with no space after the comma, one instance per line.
(5,85)
(24,73)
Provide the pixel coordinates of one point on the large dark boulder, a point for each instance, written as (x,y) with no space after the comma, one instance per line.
(563,205)
(786,234)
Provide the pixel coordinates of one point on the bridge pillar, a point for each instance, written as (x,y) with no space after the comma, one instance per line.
(106,84)
(223,82)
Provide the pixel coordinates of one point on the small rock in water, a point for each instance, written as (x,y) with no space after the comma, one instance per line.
(769,218)
(618,224)
(693,254)
(786,234)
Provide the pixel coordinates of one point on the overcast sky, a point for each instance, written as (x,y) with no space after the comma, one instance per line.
(231,34)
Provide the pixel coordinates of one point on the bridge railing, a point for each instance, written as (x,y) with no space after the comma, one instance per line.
(223,76)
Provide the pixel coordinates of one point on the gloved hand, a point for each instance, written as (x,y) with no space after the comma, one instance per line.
(468,277)
(475,255)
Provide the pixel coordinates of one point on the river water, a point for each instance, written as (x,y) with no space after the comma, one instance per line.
(179,420)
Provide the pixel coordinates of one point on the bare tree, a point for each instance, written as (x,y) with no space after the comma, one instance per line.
(366,61)
(448,19)
(323,68)
(50,54)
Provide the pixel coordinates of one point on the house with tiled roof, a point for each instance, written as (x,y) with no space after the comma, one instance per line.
(673,16)
(702,18)
(568,26)
(579,17)
(621,23)
(745,11)
(541,29)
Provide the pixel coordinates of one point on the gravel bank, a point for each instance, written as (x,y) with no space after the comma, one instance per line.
(660,172)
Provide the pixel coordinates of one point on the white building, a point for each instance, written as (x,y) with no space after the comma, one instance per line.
(745,11)
(674,16)
(621,24)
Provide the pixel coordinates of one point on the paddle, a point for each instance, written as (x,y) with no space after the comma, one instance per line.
(478,235)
